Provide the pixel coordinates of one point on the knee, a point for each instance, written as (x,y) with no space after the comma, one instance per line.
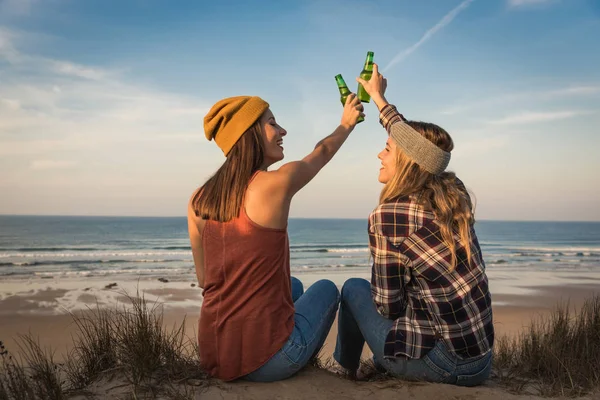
(297,284)
(352,285)
(297,289)
(328,287)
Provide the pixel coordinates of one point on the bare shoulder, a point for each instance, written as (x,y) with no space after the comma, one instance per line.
(195,222)
(267,182)
(190,207)
(267,201)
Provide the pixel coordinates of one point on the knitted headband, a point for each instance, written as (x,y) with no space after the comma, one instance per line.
(423,152)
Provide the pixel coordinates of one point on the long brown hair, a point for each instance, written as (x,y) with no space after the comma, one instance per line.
(444,194)
(220,198)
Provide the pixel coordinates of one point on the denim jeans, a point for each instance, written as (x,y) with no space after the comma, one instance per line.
(359,321)
(315,313)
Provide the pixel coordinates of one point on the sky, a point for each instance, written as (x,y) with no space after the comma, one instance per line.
(102,102)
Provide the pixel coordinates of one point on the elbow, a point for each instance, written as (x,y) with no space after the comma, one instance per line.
(324,152)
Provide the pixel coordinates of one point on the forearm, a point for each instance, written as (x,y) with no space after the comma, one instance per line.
(332,143)
(379,100)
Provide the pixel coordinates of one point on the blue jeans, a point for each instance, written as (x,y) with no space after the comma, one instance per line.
(359,321)
(315,313)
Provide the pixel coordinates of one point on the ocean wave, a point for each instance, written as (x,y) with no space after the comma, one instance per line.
(54,249)
(328,266)
(326,245)
(108,253)
(551,249)
(330,249)
(87,262)
(556,254)
(172,248)
(119,271)
(49,249)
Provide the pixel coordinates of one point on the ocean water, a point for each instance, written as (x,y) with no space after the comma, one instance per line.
(63,247)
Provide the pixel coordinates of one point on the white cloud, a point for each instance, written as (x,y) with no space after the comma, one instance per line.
(17,7)
(83,136)
(576,90)
(529,97)
(56,114)
(52,164)
(535,117)
(7,51)
(56,105)
(67,68)
(525,3)
(432,31)
(9,104)
(71,69)
(92,115)
(481,145)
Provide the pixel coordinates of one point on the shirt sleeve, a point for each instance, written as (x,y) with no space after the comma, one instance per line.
(388,116)
(387,283)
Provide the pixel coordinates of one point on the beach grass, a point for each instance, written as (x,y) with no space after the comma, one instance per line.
(556,356)
(127,341)
(33,375)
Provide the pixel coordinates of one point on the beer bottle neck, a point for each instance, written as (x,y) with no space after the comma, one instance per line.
(340,81)
(369,62)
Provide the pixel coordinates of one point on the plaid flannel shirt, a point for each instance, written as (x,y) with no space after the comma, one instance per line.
(412,283)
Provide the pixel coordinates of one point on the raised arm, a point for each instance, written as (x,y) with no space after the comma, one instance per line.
(293,176)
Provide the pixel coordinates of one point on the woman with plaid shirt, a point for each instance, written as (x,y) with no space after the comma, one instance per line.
(427,312)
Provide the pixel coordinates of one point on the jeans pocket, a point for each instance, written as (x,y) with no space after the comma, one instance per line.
(436,373)
(293,352)
(478,377)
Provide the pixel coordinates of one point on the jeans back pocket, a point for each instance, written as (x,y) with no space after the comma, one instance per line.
(479,372)
(440,363)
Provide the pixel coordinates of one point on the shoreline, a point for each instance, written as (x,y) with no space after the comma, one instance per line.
(58,295)
(46,309)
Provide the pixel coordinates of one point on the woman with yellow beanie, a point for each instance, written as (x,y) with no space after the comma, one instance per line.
(256,321)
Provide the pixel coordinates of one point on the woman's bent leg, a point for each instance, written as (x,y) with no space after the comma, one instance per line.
(297,289)
(315,312)
(358,320)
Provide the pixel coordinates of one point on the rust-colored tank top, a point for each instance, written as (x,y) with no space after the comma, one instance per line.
(247,312)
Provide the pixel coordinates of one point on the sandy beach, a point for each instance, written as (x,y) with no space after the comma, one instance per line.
(42,308)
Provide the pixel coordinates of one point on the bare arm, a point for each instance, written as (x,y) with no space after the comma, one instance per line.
(295,175)
(195,227)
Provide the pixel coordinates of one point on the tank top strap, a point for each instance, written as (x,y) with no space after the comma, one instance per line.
(254,176)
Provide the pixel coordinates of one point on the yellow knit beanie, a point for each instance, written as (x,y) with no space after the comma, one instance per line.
(229,118)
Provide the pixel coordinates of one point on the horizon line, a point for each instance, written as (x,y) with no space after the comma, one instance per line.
(317,218)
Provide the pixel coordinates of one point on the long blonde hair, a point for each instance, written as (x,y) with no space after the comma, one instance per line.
(444,194)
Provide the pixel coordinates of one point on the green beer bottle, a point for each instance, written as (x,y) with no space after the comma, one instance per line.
(366,75)
(344,93)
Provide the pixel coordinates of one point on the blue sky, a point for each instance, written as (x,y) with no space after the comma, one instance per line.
(102,102)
